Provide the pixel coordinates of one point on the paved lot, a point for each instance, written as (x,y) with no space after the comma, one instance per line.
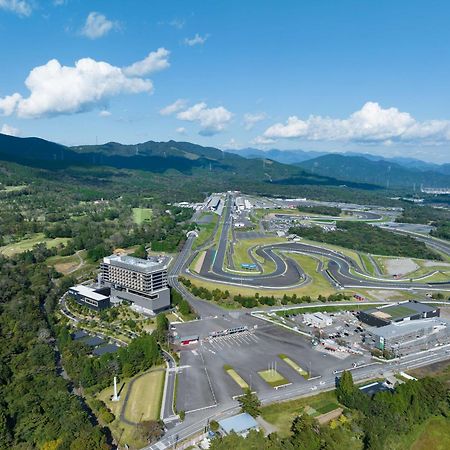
(248,353)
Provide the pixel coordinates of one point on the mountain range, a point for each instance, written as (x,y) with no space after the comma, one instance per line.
(275,166)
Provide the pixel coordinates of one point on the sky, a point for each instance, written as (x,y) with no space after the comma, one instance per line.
(349,75)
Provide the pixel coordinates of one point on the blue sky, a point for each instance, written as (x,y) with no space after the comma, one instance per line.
(369,76)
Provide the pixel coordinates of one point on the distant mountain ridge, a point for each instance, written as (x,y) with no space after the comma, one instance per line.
(359,169)
(160,157)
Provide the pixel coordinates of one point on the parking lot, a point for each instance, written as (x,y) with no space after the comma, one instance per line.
(205,381)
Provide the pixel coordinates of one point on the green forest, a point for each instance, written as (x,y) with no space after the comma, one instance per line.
(369,239)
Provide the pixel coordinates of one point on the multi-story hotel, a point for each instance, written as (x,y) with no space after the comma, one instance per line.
(143,282)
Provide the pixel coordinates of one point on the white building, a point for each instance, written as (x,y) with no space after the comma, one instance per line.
(317,320)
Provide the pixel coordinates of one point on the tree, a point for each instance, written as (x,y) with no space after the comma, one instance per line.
(250,403)
(162,325)
(345,389)
(214,426)
(151,430)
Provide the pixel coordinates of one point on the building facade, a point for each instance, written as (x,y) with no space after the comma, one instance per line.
(92,298)
(143,282)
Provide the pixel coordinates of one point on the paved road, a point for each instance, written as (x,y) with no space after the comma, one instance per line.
(196,422)
(342,271)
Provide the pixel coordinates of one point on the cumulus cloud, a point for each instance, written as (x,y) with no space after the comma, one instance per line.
(104,113)
(97,25)
(196,40)
(174,107)
(20,7)
(371,124)
(181,130)
(211,120)
(250,120)
(177,23)
(154,62)
(261,140)
(56,89)
(9,130)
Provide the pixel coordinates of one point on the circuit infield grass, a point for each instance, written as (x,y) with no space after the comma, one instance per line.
(273,378)
(236,377)
(141,215)
(294,365)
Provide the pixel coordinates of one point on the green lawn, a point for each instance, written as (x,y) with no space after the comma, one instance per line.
(273,378)
(205,230)
(141,215)
(236,377)
(28,244)
(435,435)
(144,402)
(282,414)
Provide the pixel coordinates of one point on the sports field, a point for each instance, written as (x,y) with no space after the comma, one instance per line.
(27,244)
(398,311)
(273,378)
(144,401)
(141,215)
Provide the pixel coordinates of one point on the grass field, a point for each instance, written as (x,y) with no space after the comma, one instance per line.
(141,215)
(28,244)
(144,402)
(273,378)
(150,391)
(66,264)
(294,365)
(205,231)
(281,414)
(236,377)
(435,435)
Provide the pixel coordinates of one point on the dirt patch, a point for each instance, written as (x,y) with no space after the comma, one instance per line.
(436,263)
(400,266)
(385,296)
(328,417)
(199,262)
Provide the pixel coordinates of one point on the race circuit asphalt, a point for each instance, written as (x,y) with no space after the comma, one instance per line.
(289,274)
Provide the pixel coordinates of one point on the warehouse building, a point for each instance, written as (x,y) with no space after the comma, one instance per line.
(409,336)
(398,312)
(143,282)
(317,320)
(94,298)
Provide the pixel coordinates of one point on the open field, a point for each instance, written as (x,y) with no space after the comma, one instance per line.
(141,215)
(144,402)
(367,263)
(236,377)
(67,264)
(205,230)
(241,252)
(294,365)
(146,399)
(273,378)
(439,370)
(281,414)
(28,244)
(318,284)
(435,434)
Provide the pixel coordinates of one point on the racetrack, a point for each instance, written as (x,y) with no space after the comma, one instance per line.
(342,271)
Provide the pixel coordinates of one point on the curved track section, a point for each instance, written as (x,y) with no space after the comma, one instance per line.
(342,271)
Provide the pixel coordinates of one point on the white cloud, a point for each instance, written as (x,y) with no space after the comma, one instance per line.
(196,40)
(261,140)
(105,113)
(97,25)
(371,124)
(56,89)
(181,130)
(154,62)
(19,7)
(211,120)
(250,120)
(177,23)
(9,130)
(174,107)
